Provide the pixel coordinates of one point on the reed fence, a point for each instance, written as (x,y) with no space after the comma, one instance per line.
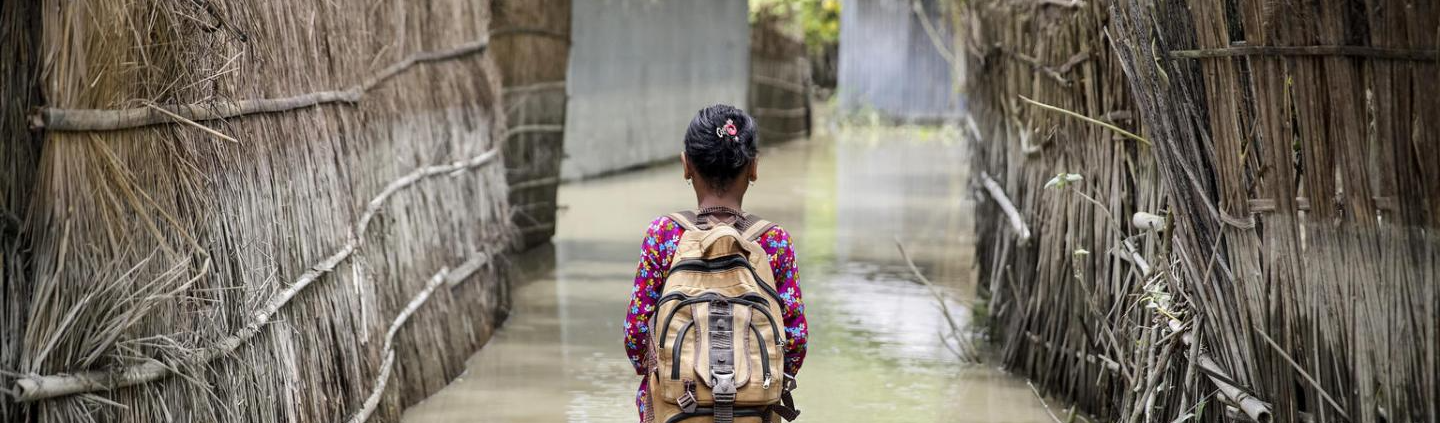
(1266,253)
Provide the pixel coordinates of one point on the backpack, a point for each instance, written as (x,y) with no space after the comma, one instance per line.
(717,346)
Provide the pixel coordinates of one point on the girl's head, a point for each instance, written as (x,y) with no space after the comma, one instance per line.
(720,151)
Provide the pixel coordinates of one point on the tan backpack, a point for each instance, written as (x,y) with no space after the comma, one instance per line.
(717,349)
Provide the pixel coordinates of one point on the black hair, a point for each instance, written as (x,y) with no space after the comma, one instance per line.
(718,156)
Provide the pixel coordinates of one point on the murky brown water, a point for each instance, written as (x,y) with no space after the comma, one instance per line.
(875,353)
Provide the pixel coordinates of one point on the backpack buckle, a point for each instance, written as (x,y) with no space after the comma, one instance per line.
(724,387)
(687,401)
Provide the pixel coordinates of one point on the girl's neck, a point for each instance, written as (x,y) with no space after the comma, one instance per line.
(714,201)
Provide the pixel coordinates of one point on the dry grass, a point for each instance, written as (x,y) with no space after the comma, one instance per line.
(152,246)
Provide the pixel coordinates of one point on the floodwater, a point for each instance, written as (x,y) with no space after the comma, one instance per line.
(875,351)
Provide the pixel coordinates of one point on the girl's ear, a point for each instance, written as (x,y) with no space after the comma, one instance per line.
(754,172)
(685,164)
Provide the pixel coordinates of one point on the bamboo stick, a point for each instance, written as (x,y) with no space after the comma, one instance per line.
(38,387)
(442,277)
(777,83)
(1428,55)
(1253,407)
(541,32)
(533,128)
(1016,222)
(1106,125)
(57,119)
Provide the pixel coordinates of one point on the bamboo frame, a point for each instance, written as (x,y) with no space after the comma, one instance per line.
(58,119)
(1355,51)
(37,387)
(442,277)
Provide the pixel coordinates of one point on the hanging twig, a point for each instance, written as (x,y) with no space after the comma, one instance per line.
(1106,125)
(998,194)
(37,387)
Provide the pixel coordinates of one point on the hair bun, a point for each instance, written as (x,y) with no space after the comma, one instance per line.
(720,143)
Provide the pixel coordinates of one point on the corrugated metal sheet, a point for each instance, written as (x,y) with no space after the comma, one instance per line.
(640,69)
(888,63)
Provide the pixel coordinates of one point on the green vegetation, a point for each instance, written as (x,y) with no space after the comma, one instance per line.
(817,20)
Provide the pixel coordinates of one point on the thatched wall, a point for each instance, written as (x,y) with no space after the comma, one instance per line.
(1291,259)
(531,46)
(779,80)
(263,267)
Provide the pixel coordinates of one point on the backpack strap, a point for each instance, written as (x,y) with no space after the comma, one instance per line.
(689,220)
(755,227)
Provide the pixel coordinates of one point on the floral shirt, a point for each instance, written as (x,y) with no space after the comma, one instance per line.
(655,252)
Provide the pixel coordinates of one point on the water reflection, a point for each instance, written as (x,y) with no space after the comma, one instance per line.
(875,351)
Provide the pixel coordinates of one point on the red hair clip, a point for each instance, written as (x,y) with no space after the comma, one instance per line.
(728,129)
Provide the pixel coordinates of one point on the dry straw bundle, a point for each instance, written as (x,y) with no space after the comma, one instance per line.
(1270,257)
(242,223)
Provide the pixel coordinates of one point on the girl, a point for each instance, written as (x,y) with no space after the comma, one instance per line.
(720,164)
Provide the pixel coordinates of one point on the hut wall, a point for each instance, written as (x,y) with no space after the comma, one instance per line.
(153,244)
(640,69)
(1295,276)
(890,64)
(779,81)
(531,46)
(19,152)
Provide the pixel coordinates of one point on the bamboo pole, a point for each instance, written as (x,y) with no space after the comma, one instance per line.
(1016,222)
(57,119)
(37,387)
(442,277)
(1253,407)
(1428,55)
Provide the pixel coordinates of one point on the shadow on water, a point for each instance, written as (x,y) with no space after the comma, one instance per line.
(876,354)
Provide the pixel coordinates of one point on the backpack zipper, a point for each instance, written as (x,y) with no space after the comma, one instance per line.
(722,264)
(698,299)
(764,355)
(675,356)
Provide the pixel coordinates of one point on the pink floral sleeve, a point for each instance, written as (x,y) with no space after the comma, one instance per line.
(787,281)
(655,252)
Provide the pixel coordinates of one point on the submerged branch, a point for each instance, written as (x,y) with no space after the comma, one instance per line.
(38,387)
(967,350)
